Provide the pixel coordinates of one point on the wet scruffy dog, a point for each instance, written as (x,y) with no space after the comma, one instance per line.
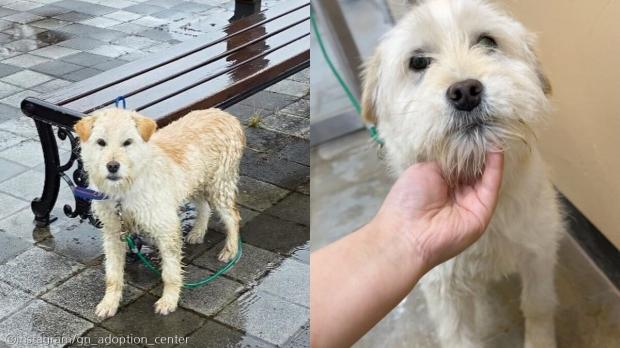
(451,81)
(151,173)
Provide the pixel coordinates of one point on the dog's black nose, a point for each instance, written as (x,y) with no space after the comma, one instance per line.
(465,95)
(113,166)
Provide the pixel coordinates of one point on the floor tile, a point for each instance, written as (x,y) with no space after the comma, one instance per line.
(7,68)
(85,59)
(83,292)
(10,205)
(20,5)
(274,234)
(22,126)
(269,100)
(84,7)
(22,17)
(138,319)
(98,334)
(219,335)
(50,23)
(298,152)
(290,280)
(21,224)
(73,16)
(9,169)
(81,74)
(129,28)
(265,316)
(294,207)
(52,85)
(26,78)
(16,99)
(208,299)
(11,299)
(80,43)
(54,52)
(11,247)
(252,265)
(40,320)
(300,339)
(7,89)
(137,42)
(287,124)
(257,194)
(101,22)
(149,21)
(289,87)
(37,271)
(274,170)
(112,51)
(49,11)
(27,185)
(25,61)
(143,9)
(81,242)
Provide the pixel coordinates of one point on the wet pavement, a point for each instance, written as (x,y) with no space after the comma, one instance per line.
(349,184)
(52,278)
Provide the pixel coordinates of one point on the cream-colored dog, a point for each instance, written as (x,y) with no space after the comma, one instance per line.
(451,81)
(151,174)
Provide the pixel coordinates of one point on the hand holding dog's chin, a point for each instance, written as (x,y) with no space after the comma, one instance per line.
(433,222)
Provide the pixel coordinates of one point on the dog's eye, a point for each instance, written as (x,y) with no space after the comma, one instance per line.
(419,63)
(101,142)
(487,41)
(127,142)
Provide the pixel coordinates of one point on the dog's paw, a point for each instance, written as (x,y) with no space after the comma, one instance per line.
(226,254)
(194,238)
(165,306)
(106,308)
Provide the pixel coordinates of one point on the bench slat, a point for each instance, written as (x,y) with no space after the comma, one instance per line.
(133,69)
(157,83)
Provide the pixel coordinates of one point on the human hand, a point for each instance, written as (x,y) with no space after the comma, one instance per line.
(437,223)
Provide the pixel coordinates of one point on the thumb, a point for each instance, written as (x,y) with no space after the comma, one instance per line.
(489,184)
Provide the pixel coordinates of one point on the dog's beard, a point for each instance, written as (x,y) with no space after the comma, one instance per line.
(461,149)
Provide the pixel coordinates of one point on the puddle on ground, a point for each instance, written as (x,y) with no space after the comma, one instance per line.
(27,38)
(52,37)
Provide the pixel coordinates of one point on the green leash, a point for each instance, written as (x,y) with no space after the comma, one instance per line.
(148,264)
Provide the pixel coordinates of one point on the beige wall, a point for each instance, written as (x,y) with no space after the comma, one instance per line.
(579,46)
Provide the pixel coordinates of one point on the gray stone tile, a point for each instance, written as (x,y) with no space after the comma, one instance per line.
(252,265)
(23,61)
(7,90)
(120,3)
(277,171)
(11,299)
(80,43)
(73,16)
(50,23)
(7,69)
(302,252)
(21,46)
(20,5)
(244,112)
(138,319)
(139,276)
(27,153)
(81,242)
(302,76)
(21,225)
(8,113)
(101,22)
(208,299)
(40,321)
(291,281)
(149,21)
(192,7)
(297,151)
(84,7)
(112,51)
(295,208)
(218,335)
(10,205)
(49,11)
(110,64)
(155,34)
(22,126)
(81,74)
(98,334)
(37,271)
(257,194)
(287,124)
(11,247)
(54,52)
(82,293)
(9,169)
(9,139)
(300,108)
(85,59)
(137,42)
(301,339)
(274,234)
(123,16)
(22,17)
(143,9)
(26,185)
(129,28)
(26,78)
(265,316)
(52,85)
(7,11)
(16,99)
(268,100)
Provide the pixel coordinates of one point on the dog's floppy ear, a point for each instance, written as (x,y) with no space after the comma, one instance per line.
(84,127)
(370,79)
(146,126)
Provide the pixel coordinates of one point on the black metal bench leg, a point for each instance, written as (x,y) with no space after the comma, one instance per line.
(42,206)
(244,8)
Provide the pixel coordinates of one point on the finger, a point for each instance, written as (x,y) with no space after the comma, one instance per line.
(490,182)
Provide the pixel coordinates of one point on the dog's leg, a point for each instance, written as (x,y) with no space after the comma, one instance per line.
(453,312)
(203,214)
(222,195)
(170,245)
(115,251)
(538,299)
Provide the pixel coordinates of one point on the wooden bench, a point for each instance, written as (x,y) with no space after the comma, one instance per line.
(244,57)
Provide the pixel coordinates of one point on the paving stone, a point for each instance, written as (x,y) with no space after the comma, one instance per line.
(81,242)
(268,100)
(304,188)
(82,293)
(208,299)
(50,23)
(268,141)
(21,46)
(37,271)
(21,225)
(273,234)
(294,207)
(192,7)
(287,124)
(155,34)
(7,11)
(73,16)
(137,42)
(22,17)
(9,139)
(40,321)
(16,99)
(10,205)
(49,11)
(86,59)
(257,194)
(7,90)
(98,336)
(301,338)
(84,7)
(167,4)
(302,253)
(101,22)
(302,76)
(143,9)
(26,78)
(265,316)
(300,108)
(291,281)
(138,319)
(252,265)
(26,185)
(110,64)
(119,3)
(21,5)
(81,74)
(23,61)
(149,21)
(54,52)
(8,113)
(52,85)
(9,169)
(7,69)
(129,28)
(27,153)
(112,51)
(297,151)
(22,126)
(219,335)
(11,247)
(83,44)
(123,16)
(274,170)
(11,299)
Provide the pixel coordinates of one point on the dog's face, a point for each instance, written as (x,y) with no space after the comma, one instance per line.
(452,80)
(113,146)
